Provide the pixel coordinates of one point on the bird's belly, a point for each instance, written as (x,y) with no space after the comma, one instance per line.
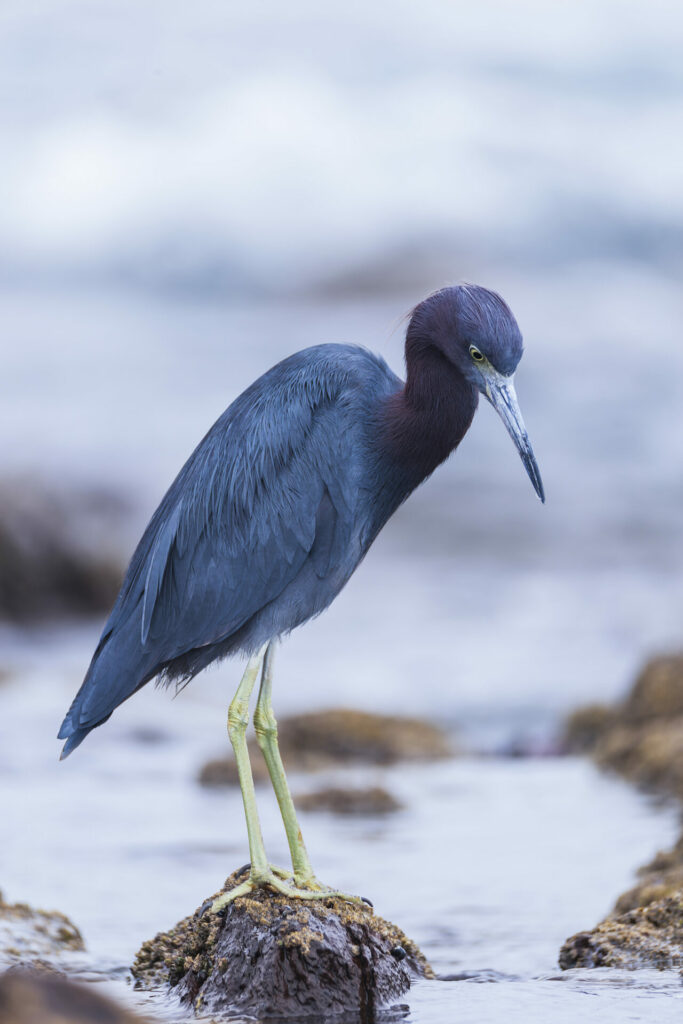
(305,597)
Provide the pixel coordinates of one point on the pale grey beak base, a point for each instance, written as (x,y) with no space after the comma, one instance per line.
(501,394)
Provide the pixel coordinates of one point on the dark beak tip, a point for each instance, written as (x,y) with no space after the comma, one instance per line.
(504,401)
(539,488)
(533,472)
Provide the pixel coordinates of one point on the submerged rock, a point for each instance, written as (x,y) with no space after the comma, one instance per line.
(39,997)
(649,936)
(370,801)
(27,934)
(269,956)
(328,739)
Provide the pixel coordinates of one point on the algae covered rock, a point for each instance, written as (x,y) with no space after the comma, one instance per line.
(371,801)
(331,739)
(650,936)
(269,956)
(641,738)
(656,697)
(651,754)
(39,997)
(663,876)
(344,735)
(27,934)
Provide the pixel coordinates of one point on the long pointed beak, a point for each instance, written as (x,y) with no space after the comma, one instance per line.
(502,396)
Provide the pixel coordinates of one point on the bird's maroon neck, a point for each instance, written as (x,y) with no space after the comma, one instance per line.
(430,415)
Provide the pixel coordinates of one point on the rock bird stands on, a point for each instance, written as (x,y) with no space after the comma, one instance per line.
(275,509)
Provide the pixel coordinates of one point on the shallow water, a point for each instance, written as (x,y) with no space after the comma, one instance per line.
(490,866)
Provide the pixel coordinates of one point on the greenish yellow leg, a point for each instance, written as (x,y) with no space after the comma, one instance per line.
(265,726)
(261,872)
(238,719)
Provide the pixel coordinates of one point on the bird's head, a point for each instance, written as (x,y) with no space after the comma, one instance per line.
(476,331)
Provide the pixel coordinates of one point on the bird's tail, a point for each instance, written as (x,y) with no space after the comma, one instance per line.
(73,739)
(119,667)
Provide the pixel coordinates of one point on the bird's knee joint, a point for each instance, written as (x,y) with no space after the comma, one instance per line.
(238,718)
(265,726)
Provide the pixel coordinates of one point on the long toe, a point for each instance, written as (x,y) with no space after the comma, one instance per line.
(314,890)
(281,881)
(222,901)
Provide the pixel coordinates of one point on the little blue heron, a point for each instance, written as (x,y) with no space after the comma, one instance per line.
(276,508)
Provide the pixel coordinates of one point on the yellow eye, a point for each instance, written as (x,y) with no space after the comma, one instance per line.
(476,354)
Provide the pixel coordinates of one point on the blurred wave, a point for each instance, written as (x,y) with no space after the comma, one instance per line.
(234,148)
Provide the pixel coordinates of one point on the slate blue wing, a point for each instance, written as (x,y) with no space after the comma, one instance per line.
(264,511)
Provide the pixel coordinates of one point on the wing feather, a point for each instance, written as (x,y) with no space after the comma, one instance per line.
(274,484)
(167,537)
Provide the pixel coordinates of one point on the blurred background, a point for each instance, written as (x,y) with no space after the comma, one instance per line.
(191,192)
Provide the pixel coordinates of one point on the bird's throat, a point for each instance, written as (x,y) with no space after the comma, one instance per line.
(428,418)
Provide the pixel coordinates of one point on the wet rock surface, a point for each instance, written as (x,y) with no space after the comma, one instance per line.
(649,936)
(27,934)
(40,997)
(337,800)
(56,552)
(269,956)
(640,738)
(330,739)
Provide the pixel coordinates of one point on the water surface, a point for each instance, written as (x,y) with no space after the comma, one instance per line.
(491,864)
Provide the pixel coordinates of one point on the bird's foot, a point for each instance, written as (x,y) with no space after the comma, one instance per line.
(287,885)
